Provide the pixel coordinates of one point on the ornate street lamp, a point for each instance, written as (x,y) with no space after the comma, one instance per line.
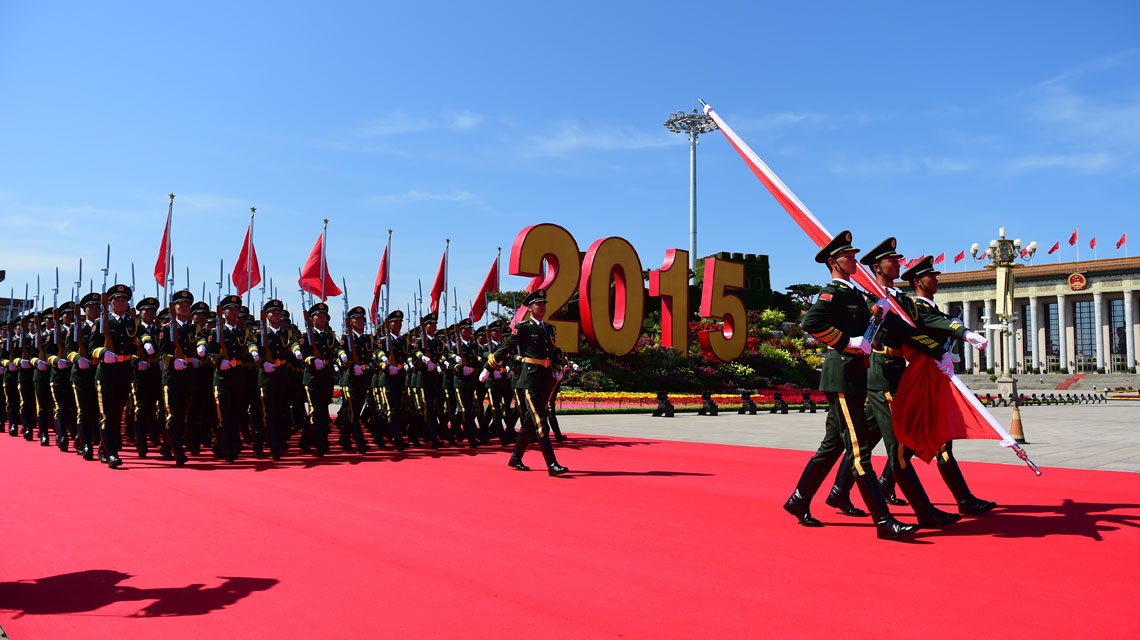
(693,124)
(1003,256)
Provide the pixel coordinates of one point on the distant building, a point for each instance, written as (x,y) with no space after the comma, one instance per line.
(757,292)
(1076,316)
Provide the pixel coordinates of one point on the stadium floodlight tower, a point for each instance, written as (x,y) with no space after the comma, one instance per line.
(693,124)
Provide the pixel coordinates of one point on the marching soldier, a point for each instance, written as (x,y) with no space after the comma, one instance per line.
(231,360)
(111,345)
(464,366)
(390,357)
(839,318)
(179,345)
(4,342)
(923,279)
(321,352)
(428,354)
(534,385)
(280,349)
(203,416)
(147,385)
(498,391)
(357,352)
(28,409)
(41,361)
(61,390)
(83,374)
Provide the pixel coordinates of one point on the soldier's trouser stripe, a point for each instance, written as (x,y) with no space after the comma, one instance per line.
(218,405)
(538,426)
(851,432)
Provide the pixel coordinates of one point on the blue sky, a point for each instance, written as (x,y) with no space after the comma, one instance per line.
(936,124)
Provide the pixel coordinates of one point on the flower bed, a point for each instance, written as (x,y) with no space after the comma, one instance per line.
(643,401)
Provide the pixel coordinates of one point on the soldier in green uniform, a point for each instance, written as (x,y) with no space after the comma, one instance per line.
(281,356)
(178,346)
(923,279)
(465,368)
(41,363)
(83,374)
(358,350)
(147,384)
(452,416)
(5,417)
(534,386)
(498,387)
(839,318)
(202,419)
(426,356)
(321,352)
(391,355)
(28,409)
(231,360)
(112,345)
(61,391)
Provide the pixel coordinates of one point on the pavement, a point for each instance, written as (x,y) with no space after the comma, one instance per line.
(1097,436)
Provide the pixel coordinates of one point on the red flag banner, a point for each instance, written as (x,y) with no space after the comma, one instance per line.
(1092,243)
(311,274)
(1024,252)
(940,258)
(1056,245)
(975,418)
(1122,241)
(1073,238)
(490,283)
(163,261)
(960,257)
(246,268)
(440,285)
(381,280)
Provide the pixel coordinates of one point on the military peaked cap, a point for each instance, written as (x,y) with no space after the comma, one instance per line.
(925,267)
(200,307)
(320,307)
(430,318)
(882,251)
(395,315)
(464,323)
(147,303)
(119,291)
(91,298)
(840,243)
(273,305)
(231,301)
(357,312)
(538,295)
(182,296)
(67,306)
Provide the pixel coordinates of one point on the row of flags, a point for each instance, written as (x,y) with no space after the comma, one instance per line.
(906,264)
(315,277)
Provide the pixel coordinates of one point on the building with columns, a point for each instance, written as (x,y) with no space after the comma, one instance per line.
(1070,317)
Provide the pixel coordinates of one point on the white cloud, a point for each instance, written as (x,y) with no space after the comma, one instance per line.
(416,195)
(1084,162)
(399,122)
(573,136)
(900,165)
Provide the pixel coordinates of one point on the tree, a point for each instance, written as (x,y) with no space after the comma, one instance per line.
(804,292)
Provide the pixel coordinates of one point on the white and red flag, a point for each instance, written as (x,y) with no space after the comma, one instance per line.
(1073,238)
(381,280)
(162,266)
(490,283)
(247,273)
(936,408)
(315,276)
(1122,241)
(440,285)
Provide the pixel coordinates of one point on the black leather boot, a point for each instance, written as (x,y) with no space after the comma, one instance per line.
(929,516)
(520,448)
(887,484)
(799,504)
(840,496)
(552,466)
(887,528)
(968,504)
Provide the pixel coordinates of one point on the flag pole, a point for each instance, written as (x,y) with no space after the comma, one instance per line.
(498,287)
(324,231)
(446,269)
(168,267)
(387,293)
(249,261)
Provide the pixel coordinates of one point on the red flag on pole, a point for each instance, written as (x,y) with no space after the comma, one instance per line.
(1122,241)
(1092,243)
(490,283)
(1073,238)
(246,267)
(1024,252)
(928,413)
(163,262)
(940,258)
(440,285)
(960,257)
(1056,245)
(315,275)
(381,280)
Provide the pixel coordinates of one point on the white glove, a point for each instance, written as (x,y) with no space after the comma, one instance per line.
(297,354)
(143,365)
(510,373)
(483,375)
(196,362)
(81,361)
(466,371)
(179,364)
(41,365)
(882,306)
(558,376)
(498,374)
(201,351)
(383,358)
(977,340)
(392,370)
(574,366)
(62,364)
(25,364)
(343,358)
(224,365)
(946,365)
(256,356)
(268,367)
(149,348)
(12,366)
(458,359)
(857,343)
(357,370)
(110,357)
(318,364)
(426,359)
(430,367)
(408,368)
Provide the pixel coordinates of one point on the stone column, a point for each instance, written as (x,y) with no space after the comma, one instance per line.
(1062,333)
(1129,331)
(1098,321)
(968,320)
(992,336)
(1035,327)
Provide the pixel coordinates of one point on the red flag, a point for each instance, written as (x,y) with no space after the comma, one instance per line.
(928,412)
(381,280)
(246,268)
(1092,243)
(940,258)
(1024,252)
(163,262)
(1056,245)
(960,257)
(490,283)
(1123,240)
(440,285)
(311,274)
(1073,238)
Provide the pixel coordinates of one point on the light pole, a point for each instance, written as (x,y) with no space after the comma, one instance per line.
(693,124)
(1003,255)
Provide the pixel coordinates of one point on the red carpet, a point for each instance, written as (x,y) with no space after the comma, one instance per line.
(648,539)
